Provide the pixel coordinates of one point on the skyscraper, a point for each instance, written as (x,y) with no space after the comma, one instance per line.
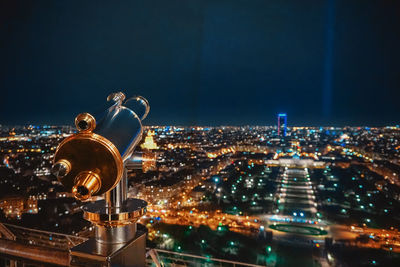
(282,123)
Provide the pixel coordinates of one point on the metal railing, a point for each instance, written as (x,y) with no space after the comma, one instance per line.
(155,257)
(43,238)
(171,258)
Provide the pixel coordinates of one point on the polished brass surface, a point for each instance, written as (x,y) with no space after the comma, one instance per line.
(61,168)
(85,122)
(87,183)
(87,151)
(99,214)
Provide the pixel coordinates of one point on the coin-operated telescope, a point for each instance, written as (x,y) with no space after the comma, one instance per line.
(93,162)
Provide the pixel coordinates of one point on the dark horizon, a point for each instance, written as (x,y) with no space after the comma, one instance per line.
(330,62)
(219,125)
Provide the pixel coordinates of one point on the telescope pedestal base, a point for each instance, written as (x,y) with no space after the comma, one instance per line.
(93,253)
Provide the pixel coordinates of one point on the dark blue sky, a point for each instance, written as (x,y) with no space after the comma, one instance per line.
(333,62)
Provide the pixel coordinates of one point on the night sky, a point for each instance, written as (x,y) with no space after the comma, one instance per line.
(199,62)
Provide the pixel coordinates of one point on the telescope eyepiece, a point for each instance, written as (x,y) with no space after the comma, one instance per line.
(83,125)
(85,122)
(87,183)
(82,190)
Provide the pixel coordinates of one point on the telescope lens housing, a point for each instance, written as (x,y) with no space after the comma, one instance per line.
(87,183)
(85,122)
(91,162)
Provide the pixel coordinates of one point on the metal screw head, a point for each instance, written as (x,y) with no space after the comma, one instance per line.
(61,168)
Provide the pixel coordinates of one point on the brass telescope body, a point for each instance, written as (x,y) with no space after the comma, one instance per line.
(93,162)
(91,175)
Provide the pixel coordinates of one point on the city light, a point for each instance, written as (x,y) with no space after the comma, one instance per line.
(237,190)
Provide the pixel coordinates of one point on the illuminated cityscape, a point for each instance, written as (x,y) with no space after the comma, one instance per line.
(233,193)
(200,133)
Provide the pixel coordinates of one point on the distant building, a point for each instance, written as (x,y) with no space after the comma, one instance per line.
(14,207)
(282,124)
(149,141)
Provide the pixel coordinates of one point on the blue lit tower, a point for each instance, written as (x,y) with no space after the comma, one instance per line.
(282,123)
